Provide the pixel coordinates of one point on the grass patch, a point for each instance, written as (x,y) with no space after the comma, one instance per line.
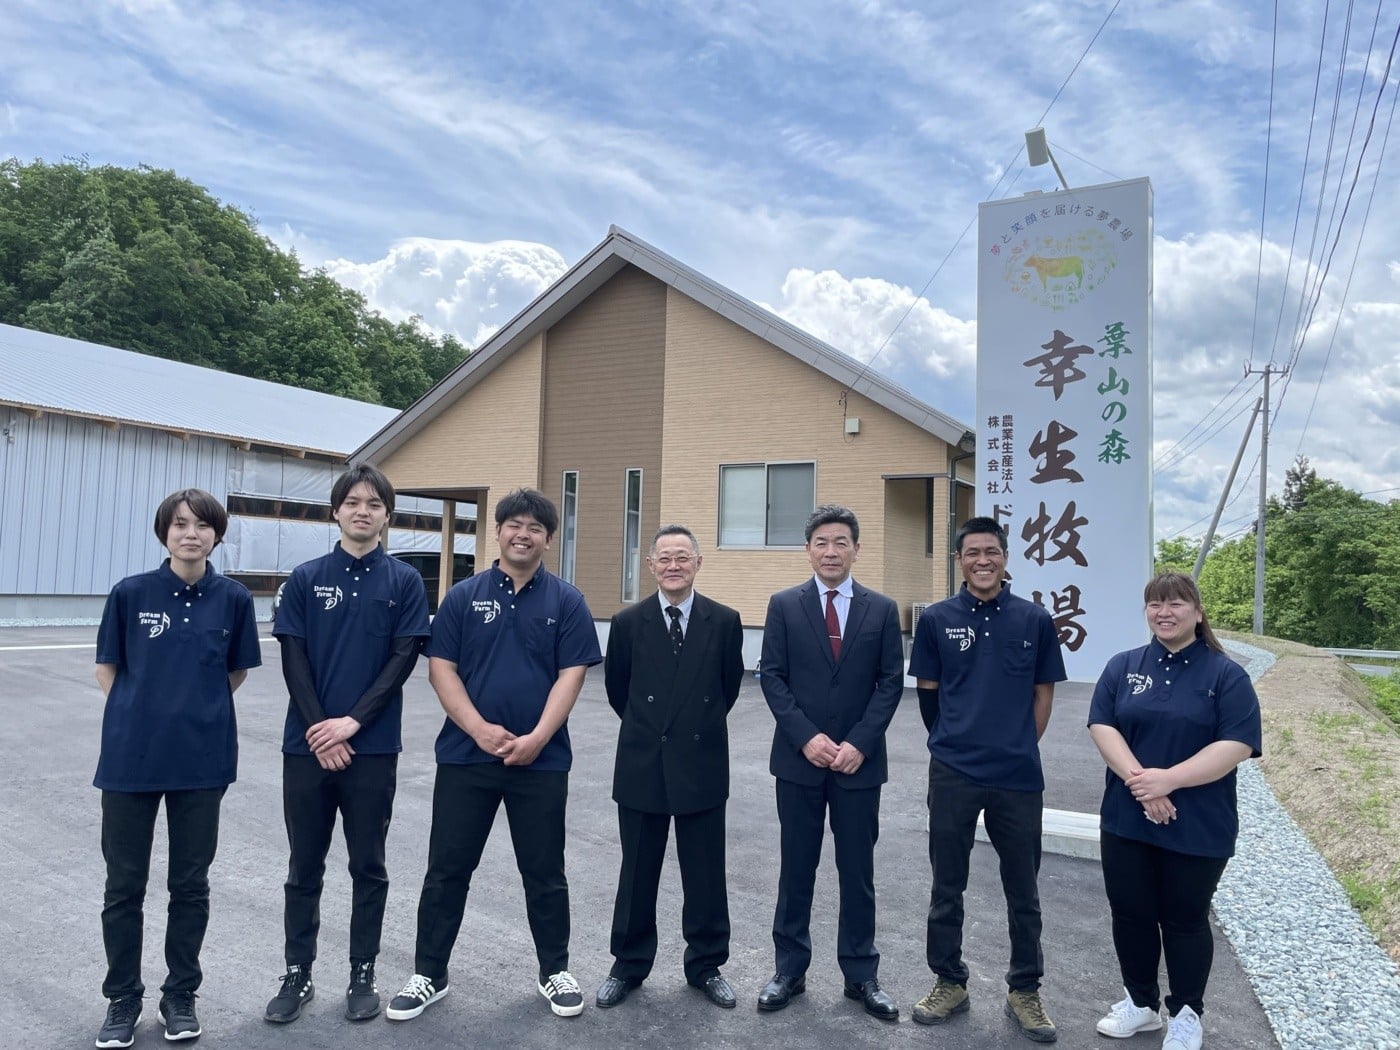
(1374,809)
(1385,694)
(1370,897)
(1334,726)
(1366,896)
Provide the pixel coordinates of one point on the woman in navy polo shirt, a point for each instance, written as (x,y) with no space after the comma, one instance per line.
(1172,720)
(173,646)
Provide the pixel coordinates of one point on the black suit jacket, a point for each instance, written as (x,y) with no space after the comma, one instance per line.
(851,699)
(673,747)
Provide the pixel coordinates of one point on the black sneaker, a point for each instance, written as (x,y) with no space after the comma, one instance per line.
(119,1029)
(362,997)
(564,995)
(417,995)
(177,1015)
(296,991)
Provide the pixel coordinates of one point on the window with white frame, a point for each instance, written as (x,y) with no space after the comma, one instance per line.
(765,504)
(568,526)
(632,535)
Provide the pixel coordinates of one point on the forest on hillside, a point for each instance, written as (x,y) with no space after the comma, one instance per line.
(144,260)
(1332,567)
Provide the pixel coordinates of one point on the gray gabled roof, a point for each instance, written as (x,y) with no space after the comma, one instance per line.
(55,374)
(590,273)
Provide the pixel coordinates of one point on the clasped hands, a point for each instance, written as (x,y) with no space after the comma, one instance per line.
(824,753)
(1152,788)
(513,750)
(329,741)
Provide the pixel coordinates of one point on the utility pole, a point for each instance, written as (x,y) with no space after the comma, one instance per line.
(1224,493)
(1268,371)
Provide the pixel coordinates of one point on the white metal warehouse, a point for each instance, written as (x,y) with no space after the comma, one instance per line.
(92,438)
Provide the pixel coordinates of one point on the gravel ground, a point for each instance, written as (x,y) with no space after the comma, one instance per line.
(1319,973)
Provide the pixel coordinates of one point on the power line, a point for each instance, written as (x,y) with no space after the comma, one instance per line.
(922,291)
(1356,254)
(1264,201)
(1241,405)
(1351,190)
(1302,185)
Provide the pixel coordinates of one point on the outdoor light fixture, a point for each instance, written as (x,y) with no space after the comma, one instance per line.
(1038,153)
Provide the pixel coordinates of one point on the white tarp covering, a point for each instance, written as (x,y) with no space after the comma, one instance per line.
(269,545)
(1064,405)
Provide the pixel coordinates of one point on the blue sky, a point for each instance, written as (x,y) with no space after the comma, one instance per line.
(820,157)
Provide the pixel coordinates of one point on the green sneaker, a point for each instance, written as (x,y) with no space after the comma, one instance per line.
(1026,1010)
(943,1002)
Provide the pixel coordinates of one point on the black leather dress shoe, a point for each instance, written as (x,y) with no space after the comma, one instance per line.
(877,1003)
(717,990)
(613,991)
(778,992)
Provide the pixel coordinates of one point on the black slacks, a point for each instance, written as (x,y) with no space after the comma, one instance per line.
(705,910)
(1012,819)
(855,826)
(363,795)
(128,829)
(1160,903)
(465,801)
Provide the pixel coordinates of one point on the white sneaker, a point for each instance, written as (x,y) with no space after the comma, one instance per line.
(562,991)
(1183,1031)
(1125,1019)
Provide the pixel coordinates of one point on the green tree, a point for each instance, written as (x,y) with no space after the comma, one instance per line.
(1332,575)
(147,261)
(1176,555)
(1227,584)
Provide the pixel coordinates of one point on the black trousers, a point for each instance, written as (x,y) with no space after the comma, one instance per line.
(855,826)
(128,828)
(465,800)
(363,794)
(1012,819)
(705,911)
(1160,902)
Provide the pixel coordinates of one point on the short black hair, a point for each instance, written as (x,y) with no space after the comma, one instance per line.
(674,530)
(371,476)
(979,526)
(528,503)
(202,505)
(832,514)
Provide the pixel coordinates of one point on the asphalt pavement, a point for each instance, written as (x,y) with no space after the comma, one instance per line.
(52,874)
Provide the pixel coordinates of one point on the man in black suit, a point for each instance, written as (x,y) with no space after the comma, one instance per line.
(673,668)
(833,673)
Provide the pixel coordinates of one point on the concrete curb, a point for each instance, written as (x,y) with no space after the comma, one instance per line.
(1065,833)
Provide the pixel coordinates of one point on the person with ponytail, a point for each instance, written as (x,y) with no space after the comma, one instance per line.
(1172,719)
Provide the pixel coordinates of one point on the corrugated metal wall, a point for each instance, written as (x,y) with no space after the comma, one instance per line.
(77,499)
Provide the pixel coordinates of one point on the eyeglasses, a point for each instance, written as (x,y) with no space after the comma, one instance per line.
(682,561)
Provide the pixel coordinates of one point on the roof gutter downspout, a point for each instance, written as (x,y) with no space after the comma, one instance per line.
(968,446)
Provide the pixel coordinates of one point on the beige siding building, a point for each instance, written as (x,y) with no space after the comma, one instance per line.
(636,392)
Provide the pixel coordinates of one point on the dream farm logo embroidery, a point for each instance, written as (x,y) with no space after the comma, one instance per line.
(329,596)
(489,610)
(156,622)
(964,636)
(1141,683)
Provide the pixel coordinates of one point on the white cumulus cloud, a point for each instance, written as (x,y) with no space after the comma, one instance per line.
(857,314)
(464,288)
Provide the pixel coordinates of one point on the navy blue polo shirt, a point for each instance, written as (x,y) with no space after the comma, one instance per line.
(349,611)
(509,648)
(1168,706)
(169,723)
(987,658)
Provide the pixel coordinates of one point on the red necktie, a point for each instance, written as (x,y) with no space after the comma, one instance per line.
(833,625)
